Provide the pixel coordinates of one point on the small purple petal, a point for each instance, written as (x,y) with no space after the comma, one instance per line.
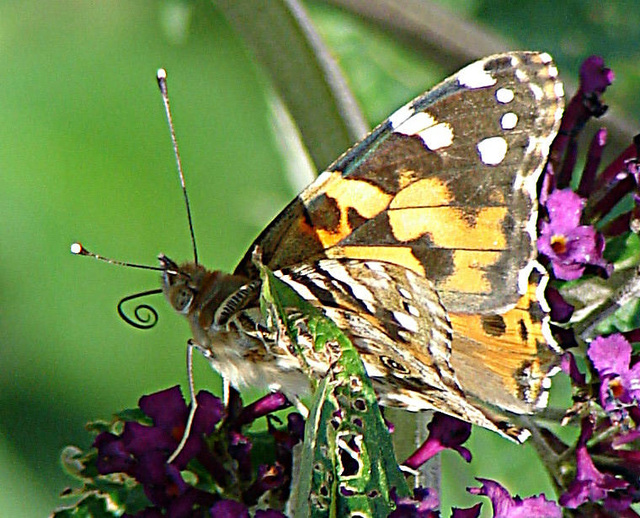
(589,484)
(167,408)
(229,509)
(209,412)
(610,355)
(140,439)
(444,432)
(569,245)
(561,310)
(423,504)
(263,406)
(631,436)
(112,454)
(565,209)
(594,76)
(504,506)
(570,367)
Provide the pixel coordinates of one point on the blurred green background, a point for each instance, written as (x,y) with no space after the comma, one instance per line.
(85,155)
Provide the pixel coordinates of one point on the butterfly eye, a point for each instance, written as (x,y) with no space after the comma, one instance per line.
(181,299)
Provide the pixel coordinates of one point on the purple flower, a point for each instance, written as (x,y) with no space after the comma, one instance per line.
(169,413)
(589,484)
(444,432)
(586,103)
(229,509)
(569,245)
(570,367)
(504,506)
(611,357)
(269,477)
(222,449)
(424,504)
(263,406)
(594,76)
(561,310)
(113,457)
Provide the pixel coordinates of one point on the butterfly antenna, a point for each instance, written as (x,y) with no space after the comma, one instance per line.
(78,249)
(161,76)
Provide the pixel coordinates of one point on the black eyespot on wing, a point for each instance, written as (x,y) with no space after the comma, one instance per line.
(392,364)
(524,332)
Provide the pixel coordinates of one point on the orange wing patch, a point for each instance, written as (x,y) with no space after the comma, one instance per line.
(511,349)
(469,272)
(343,196)
(448,227)
(400,255)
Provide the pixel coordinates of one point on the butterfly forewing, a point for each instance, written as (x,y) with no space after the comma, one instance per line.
(420,243)
(446,186)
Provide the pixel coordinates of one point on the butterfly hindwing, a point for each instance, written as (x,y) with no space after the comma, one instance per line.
(400,329)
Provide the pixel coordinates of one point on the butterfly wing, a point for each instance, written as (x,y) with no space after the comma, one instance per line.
(400,329)
(446,186)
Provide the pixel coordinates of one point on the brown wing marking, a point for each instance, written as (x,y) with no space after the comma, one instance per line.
(503,359)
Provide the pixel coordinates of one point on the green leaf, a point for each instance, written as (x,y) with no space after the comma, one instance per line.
(284,42)
(348,463)
(93,506)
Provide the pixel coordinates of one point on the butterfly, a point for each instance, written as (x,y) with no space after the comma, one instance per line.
(419,243)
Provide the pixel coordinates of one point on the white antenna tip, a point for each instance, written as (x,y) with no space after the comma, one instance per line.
(77,248)
(161,74)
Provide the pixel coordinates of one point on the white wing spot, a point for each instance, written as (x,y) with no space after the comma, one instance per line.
(415,124)
(553,71)
(504,95)
(405,293)
(434,135)
(545,57)
(340,273)
(536,91)
(374,266)
(558,89)
(509,120)
(406,321)
(300,289)
(438,136)
(400,116)
(475,76)
(492,150)
(413,310)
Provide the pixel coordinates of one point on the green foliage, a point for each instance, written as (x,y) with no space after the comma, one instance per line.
(348,463)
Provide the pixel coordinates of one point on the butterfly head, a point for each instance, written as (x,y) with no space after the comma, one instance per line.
(195,292)
(182,284)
